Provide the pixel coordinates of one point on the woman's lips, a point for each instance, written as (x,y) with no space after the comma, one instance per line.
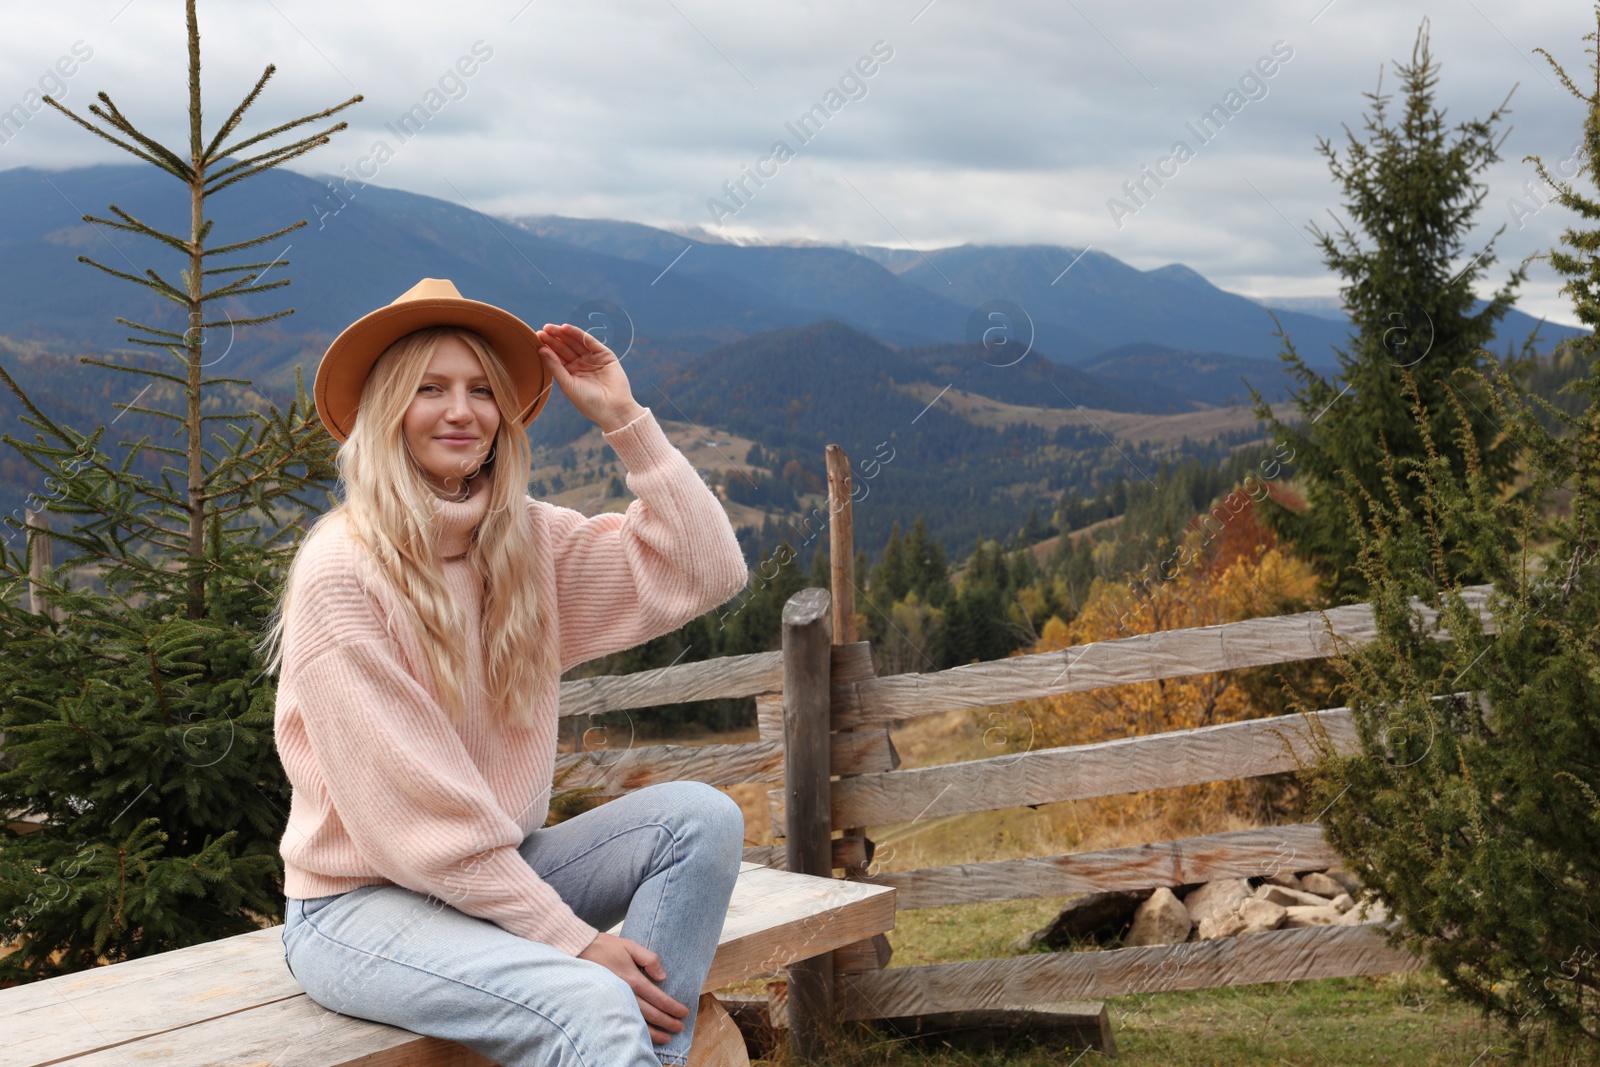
(457,440)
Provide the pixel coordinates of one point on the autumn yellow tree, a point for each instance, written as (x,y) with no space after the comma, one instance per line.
(1221,572)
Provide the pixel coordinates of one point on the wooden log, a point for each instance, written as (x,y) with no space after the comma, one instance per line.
(1235,854)
(726,676)
(1142,658)
(871,954)
(1127,765)
(1275,956)
(624,770)
(807,639)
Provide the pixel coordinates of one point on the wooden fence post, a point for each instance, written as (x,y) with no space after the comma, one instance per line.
(807,659)
(41,557)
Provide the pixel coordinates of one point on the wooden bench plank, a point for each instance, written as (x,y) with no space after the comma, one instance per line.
(151,1010)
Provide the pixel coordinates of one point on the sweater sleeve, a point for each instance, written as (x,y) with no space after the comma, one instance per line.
(672,556)
(404,787)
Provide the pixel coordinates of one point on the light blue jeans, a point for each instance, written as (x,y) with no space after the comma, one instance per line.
(662,859)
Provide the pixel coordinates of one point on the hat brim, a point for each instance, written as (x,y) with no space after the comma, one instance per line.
(349,359)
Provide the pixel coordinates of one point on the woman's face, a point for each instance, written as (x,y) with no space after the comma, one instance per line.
(451,421)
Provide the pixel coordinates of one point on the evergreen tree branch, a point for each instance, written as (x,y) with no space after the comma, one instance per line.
(234,288)
(161,287)
(299,149)
(237,116)
(132,150)
(138,227)
(232,149)
(133,370)
(119,121)
(224,249)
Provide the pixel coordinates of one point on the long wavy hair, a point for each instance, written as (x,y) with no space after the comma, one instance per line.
(390,509)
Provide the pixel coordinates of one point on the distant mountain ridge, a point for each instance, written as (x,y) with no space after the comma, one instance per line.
(674,296)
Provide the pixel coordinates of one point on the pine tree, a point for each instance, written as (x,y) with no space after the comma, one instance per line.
(1473,805)
(1412,188)
(136,717)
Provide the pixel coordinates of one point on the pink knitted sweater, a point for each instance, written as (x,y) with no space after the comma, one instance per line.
(384,788)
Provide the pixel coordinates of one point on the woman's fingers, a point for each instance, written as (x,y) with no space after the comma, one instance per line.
(574,343)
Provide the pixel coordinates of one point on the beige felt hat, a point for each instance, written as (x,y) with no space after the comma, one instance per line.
(431,302)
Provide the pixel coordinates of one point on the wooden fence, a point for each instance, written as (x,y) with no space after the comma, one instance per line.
(871,790)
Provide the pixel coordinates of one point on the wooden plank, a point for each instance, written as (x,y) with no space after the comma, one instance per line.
(756,674)
(151,1009)
(1275,956)
(1236,854)
(872,954)
(293,1033)
(624,770)
(1127,765)
(1142,658)
(781,918)
(769,717)
(107,1006)
(727,676)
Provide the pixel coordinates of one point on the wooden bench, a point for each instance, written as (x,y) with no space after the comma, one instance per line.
(233,1002)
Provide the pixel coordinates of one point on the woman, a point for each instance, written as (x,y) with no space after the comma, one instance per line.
(424,626)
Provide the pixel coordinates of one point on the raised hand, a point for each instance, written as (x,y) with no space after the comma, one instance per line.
(589,374)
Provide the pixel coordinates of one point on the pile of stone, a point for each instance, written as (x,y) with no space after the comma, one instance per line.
(1228,907)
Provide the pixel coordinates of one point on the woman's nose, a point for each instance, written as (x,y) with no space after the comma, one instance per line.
(458,410)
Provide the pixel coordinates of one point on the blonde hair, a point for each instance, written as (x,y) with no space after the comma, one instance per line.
(389,509)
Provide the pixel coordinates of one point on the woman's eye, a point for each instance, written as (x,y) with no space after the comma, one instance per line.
(485,390)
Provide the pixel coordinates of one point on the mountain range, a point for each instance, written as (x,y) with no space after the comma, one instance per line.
(672,296)
(793,345)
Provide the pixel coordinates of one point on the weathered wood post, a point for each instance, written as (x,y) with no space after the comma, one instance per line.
(842,564)
(841,546)
(807,660)
(41,556)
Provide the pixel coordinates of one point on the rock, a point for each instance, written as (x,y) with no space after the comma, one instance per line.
(1321,885)
(1291,898)
(1366,911)
(1343,902)
(1098,916)
(1261,915)
(1216,898)
(1351,883)
(1223,923)
(1161,920)
(1287,879)
(1311,916)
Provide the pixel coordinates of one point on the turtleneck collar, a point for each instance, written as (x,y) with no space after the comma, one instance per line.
(458,520)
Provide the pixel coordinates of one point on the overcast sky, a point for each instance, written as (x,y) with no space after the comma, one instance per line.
(986,123)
